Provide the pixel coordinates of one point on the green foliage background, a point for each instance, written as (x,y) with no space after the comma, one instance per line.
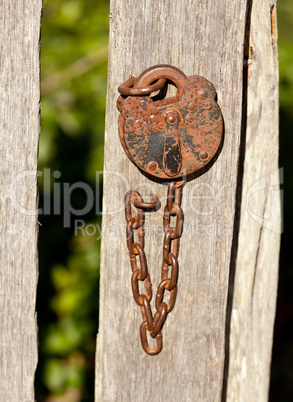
(74,69)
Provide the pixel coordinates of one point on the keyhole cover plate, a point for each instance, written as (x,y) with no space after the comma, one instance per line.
(198,130)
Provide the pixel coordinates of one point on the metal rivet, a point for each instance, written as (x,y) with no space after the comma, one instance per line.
(203,155)
(172,119)
(152,165)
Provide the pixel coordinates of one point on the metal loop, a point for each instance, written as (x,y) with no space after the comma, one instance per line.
(160,320)
(144,342)
(156,317)
(153,204)
(140,233)
(127,84)
(143,264)
(174,272)
(148,287)
(139,219)
(175,249)
(135,291)
(170,196)
(166,247)
(148,313)
(173,294)
(128,89)
(177,211)
(171,73)
(178,193)
(160,294)
(174,195)
(129,237)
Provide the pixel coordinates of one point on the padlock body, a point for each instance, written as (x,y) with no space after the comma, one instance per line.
(172,138)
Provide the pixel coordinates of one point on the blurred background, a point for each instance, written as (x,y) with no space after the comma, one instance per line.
(74,75)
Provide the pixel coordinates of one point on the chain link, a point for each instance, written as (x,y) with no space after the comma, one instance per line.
(172,235)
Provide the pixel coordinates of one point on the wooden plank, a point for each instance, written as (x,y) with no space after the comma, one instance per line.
(204,38)
(255,274)
(20,126)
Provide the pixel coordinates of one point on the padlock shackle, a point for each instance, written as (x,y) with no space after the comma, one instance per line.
(163,71)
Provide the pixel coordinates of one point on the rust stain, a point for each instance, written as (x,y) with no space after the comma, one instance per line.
(274,29)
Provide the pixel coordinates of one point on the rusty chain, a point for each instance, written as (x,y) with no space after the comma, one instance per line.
(172,235)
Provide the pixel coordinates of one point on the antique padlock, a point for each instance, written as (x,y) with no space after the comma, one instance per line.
(174,137)
(169,139)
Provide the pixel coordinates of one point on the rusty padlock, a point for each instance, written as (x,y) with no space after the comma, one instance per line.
(173,137)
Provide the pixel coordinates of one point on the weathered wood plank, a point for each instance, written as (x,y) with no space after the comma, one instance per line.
(205,38)
(256,270)
(19,127)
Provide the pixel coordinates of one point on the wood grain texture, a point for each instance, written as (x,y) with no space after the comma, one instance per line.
(204,38)
(256,272)
(19,127)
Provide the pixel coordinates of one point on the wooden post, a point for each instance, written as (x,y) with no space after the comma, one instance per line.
(215,347)
(20,126)
(254,272)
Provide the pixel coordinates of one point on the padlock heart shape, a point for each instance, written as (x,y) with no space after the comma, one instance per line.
(172,137)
